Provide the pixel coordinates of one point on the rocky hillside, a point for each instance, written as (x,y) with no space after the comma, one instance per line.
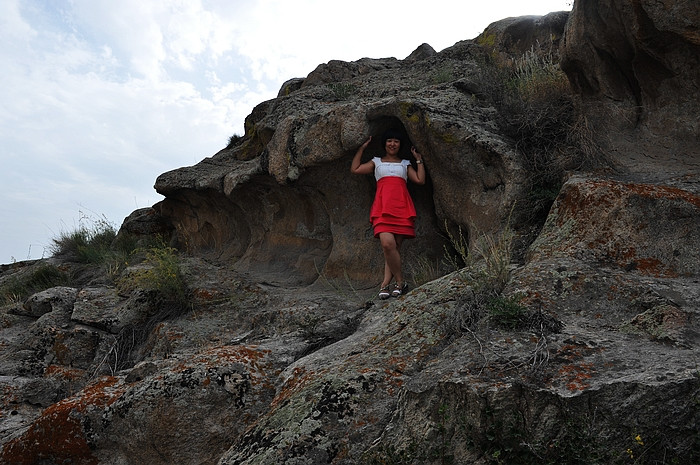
(553,316)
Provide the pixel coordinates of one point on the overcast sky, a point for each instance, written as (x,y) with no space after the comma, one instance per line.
(99,97)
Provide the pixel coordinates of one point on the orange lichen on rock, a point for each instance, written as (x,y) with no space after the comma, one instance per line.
(575,372)
(653,267)
(576,376)
(652,191)
(663,192)
(612,221)
(205,294)
(300,378)
(63,372)
(251,356)
(58,436)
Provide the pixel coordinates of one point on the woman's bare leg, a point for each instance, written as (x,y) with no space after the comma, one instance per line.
(391,245)
(387,275)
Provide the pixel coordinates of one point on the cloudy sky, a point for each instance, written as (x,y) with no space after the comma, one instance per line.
(99,97)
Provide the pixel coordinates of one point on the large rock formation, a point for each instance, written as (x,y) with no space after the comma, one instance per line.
(282,198)
(583,349)
(639,62)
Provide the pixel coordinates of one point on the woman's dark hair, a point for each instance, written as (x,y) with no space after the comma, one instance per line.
(391,134)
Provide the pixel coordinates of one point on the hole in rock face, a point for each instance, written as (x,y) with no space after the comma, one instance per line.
(379,126)
(319,226)
(365,263)
(295,233)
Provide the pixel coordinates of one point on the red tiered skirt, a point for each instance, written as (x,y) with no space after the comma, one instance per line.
(393,210)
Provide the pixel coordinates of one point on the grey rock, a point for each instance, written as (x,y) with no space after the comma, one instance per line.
(513,37)
(96,306)
(290,86)
(59,299)
(640,67)
(140,371)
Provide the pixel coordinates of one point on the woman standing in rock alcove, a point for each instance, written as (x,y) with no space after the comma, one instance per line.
(392,214)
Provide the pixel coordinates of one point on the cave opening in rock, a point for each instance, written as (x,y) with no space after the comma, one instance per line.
(423,255)
(379,126)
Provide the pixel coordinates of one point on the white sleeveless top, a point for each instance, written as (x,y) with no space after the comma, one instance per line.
(382,169)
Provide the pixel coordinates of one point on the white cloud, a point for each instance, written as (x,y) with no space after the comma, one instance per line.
(12,24)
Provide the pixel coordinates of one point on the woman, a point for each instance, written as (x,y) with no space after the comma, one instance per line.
(393,213)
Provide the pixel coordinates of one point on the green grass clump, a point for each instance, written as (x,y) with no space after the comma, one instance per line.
(90,242)
(341,90)
(160,275)
(233,140)
(19,287)
(442,76)
(507,312)
(536,77)
(96,242)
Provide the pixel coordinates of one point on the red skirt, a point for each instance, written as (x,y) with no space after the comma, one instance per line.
(393,210)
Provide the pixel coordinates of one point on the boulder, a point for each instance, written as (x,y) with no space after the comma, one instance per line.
(106,309)
(640,62)
(511,38)
(58,299)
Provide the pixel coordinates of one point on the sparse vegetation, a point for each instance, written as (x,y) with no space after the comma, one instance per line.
(22,285)
(487,271)
(341,90)
(95,242)
(159,275)
(159,280)
(459,254)
(90,242)
(492,253)
(507,312)
(424,270)
(539,112)
(537,77)
(442,76)
(496,254)
(390,455)
(233,140)
(344,288)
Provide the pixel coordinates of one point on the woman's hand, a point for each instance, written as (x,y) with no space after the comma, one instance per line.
(357,167)
(416,155)
(418,175)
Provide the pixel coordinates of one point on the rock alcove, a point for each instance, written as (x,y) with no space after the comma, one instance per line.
(292,232)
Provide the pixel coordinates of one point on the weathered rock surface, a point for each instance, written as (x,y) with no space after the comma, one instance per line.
(642,58)
(514,37)
(283,357)
(60,299)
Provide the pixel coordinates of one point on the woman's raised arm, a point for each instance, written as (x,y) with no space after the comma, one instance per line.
(417,176)
(357,167)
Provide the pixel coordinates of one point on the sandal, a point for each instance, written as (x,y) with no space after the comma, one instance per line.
(384,292)
(399,290)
